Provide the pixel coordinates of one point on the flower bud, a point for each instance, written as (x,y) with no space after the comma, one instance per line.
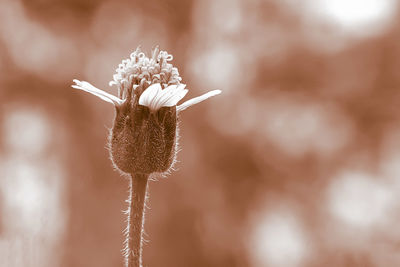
(142,140)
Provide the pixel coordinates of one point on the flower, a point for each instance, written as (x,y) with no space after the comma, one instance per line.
(154,80)
(143,137)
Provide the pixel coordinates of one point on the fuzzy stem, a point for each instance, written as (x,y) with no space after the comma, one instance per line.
(137,197)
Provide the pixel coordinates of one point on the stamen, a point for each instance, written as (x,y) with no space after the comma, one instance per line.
(153,70)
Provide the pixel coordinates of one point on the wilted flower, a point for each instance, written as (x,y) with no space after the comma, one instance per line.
(143,137)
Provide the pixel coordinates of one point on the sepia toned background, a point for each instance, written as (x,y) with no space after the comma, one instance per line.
(296,163)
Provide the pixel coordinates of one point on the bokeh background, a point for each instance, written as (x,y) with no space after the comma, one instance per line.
(296,163)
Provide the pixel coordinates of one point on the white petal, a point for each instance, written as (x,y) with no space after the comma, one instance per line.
(85,86)
(148,95)
(154,97)
(158,99)
(98,95)
(167,93)
(175,96)
(197,100)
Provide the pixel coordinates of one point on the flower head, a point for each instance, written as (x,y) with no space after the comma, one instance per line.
(143,137)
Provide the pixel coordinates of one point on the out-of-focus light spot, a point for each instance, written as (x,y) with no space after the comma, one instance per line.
(363,16)
(292,126)
(360,200)
(279,240)
(219,67)
(209,14)
(31,191)
(215,59)
(26,131)
(232,20)
(31,195)
(33,212)
(32,47)
(299,128)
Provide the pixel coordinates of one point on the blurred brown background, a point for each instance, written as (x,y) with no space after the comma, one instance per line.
(296,163)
